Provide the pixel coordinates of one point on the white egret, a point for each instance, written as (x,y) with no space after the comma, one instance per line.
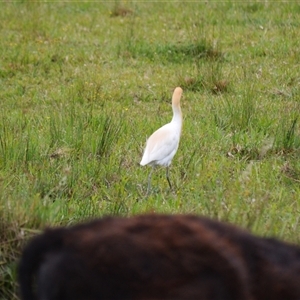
(163,143)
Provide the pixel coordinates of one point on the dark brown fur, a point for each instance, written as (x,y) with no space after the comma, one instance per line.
(157,257)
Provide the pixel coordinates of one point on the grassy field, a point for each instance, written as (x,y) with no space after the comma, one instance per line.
(84,84)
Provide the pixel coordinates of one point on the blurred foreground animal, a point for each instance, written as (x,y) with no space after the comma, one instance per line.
(162,145)
(157,257)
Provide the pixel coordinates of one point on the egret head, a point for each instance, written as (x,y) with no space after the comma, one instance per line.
(176,96)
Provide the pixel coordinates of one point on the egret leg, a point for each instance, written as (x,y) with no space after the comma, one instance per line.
(149,180)
(168,178)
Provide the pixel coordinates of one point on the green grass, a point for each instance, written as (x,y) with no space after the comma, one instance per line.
(84,84)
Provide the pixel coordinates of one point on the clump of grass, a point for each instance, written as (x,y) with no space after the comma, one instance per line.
(208,72)
(250,148)
(180,52)
(220,86)
(286,138)
(291,171)
(210,81)
(237,114)
(191,83)
(119,10)
(12,240)
(175,53)
(17,147)
(245,152)
(253,7)
(107,135)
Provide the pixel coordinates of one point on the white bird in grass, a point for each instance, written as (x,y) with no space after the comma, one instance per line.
(163,143)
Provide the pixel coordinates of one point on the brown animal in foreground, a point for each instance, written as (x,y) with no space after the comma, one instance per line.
(157,257)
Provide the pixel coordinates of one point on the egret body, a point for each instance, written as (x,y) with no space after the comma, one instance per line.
(163,143)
